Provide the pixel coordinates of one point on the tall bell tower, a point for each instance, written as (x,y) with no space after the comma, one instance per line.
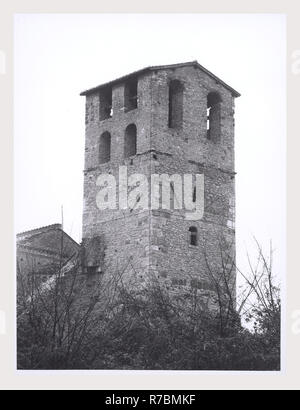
(172,119)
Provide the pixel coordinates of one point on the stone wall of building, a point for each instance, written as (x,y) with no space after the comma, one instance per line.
(41,251)
(125,233)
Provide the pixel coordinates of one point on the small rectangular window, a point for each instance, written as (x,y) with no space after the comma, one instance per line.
(193,236)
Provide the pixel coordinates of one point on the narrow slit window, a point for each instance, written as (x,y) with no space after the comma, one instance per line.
(131,94)
(105,148)
(175,104)
(213,115)
(130,141)
(193,236)
(106,110)
(194,195)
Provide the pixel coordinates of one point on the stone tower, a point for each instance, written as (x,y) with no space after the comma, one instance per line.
(173,119)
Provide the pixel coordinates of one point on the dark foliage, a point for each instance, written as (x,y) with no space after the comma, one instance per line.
(85,323)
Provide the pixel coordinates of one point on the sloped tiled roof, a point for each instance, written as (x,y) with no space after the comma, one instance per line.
(49,238)
(162,67)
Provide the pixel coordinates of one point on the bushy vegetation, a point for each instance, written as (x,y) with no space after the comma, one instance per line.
(87,323)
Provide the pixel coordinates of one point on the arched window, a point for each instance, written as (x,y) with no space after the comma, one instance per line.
(130,141)
(130,94)
(213,116)
(175,104)
(193,236)
(104,148)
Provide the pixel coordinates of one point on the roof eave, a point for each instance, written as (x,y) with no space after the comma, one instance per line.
(195,63)
(235,93)
(117,80)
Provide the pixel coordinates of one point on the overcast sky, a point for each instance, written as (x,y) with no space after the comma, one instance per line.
(58,56)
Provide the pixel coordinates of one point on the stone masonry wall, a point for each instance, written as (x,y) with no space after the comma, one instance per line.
(187,150)
(126,234)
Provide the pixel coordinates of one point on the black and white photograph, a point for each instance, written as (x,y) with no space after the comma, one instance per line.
(150,191)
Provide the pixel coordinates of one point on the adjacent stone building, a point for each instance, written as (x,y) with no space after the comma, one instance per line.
(173,119)
(43,250)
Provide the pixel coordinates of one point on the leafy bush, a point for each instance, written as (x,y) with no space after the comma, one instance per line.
(95,323)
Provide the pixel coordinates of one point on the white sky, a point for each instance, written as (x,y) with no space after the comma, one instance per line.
(58,56)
